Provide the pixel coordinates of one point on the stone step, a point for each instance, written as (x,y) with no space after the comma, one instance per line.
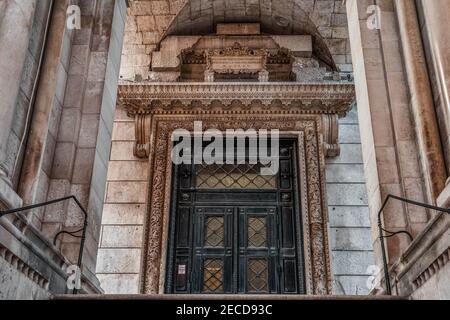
(224,297)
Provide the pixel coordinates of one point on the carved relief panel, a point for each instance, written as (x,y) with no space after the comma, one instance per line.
(237,62)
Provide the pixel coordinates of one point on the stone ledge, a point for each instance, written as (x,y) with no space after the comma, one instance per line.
(237,297)
(36,257)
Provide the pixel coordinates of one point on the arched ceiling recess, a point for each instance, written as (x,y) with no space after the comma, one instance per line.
(277,17)
(149,21)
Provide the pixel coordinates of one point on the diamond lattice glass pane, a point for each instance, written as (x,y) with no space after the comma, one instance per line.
(257,276)
(213,275)
(214,232)
(257,232)
(237,176)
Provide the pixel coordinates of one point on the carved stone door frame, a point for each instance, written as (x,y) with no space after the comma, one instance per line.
(307,129)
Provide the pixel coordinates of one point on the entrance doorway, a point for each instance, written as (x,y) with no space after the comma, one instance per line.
(235,231)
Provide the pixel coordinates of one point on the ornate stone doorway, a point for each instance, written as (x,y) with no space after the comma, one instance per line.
(236,230)
(306,112)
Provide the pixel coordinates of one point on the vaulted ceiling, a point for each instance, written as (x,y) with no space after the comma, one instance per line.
(150,21)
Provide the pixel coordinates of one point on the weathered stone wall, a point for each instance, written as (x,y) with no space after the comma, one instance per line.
(348,211)
(121,240)
(39,146)
(83,139)
(390,151)
(17,136)
(71,126)
(31,266)
(14,285)
(16,24)
(146,24)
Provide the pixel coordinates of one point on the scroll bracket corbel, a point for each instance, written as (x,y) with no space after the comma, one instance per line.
(143,129)
(331,135)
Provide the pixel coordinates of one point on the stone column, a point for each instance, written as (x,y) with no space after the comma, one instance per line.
(435,14)
(16,21)
(432,161)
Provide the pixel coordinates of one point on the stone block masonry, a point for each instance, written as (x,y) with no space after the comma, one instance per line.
(349,219)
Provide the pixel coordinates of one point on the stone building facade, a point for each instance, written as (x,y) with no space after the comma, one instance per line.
(358,90)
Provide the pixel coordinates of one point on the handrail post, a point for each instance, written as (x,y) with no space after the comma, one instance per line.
(383,249)
(82,242)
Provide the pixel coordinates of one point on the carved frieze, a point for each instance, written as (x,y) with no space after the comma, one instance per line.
(328,100)
(218,98)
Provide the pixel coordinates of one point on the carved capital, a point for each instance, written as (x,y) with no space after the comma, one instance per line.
(143,129)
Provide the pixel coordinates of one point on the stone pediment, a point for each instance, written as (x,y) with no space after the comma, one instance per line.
(298,98)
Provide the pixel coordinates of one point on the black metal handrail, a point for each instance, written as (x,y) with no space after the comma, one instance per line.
(382,236)
(71,233)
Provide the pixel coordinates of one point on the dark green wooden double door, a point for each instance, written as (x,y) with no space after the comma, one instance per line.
(235,231)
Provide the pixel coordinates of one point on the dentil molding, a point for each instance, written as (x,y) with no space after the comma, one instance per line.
(238,97)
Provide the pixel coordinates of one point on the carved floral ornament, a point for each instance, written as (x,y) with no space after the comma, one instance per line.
(142,101)
(236,60)
(199,98)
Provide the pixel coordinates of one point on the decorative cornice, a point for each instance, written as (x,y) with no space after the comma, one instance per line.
(236,98)
(434,268)
(237,50)
(24,268)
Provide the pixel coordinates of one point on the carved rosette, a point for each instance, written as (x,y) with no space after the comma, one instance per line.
(236,60)
(220,98)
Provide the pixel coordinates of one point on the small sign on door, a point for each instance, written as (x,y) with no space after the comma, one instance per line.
(182,269)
